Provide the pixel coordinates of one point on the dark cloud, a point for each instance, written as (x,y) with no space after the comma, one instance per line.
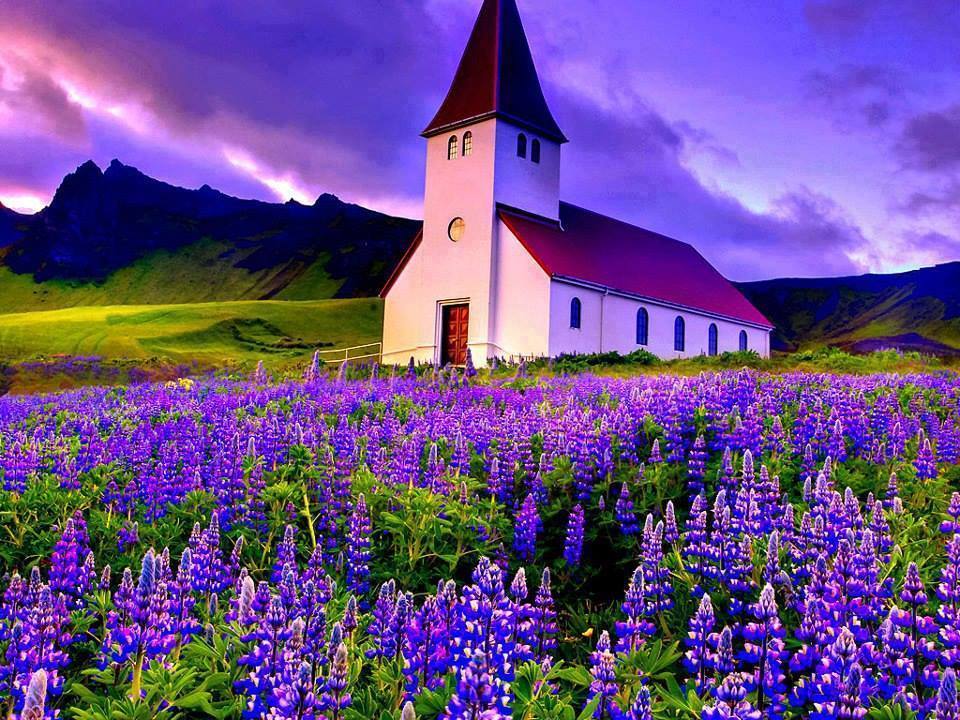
(28,92)
(920,19)
(858,94)
(935,244)
(631,165)
(944,199)
(931,141)
(839,16)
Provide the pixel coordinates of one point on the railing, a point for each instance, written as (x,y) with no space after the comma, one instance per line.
(347,357)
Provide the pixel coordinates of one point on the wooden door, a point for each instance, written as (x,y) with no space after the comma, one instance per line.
(456,324)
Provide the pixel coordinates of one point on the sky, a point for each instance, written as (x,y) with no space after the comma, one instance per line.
(781,138)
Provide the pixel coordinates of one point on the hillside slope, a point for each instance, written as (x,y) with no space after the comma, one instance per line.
(212,334)
(118,236)
(917,310)
(9,220)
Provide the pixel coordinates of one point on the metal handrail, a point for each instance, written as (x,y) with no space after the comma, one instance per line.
(346,353)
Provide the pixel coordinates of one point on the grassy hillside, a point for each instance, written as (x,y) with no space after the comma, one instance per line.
(279,332)
(914,311)
(204,272)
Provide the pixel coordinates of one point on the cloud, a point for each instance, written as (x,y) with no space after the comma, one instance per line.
(629,162)
(931,247)
(930,141)
(311,92)
(32,100)
(946,199)
(858,94)
(839,16)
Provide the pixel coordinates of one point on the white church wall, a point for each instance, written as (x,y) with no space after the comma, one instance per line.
(608,323)
(521,300)
(441,270)
(522,183)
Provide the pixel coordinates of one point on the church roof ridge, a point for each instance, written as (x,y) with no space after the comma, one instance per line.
(595,248)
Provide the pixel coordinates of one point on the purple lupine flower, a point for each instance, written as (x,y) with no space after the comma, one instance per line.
(764,651)
(624,512)
(358,548)
(948,614)
(656,576)
(470,370)
(641,708)
(852,705)
(543,621)
(286,553)
(656,457)
(474,698)
(573,542)
(128,536)
(69,574)
(697,466)
(636,628)
(926,463)
(697,659)
(295,697)
(526,526)
(604,682)
(335,698)
(36,697)
(697,551)
(671,533)
(732,703)
(947,707)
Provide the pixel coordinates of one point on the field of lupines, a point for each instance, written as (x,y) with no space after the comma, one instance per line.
(733,545)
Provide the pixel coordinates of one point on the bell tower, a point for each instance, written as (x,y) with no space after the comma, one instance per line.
(493,142)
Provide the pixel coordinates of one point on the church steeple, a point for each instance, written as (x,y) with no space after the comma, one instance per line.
(497,78)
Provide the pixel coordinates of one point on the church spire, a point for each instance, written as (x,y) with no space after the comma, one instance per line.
(497,78)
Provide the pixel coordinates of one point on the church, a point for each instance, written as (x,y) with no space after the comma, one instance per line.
(504,268)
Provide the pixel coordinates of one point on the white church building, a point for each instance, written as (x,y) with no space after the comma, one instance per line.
(505,268)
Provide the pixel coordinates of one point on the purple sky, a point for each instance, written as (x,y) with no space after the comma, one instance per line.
(803,137)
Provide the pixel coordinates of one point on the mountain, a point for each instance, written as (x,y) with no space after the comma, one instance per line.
(9,221)
(917,310)
(106,234)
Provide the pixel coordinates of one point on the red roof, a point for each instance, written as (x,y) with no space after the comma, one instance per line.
(596,249)
(497,77)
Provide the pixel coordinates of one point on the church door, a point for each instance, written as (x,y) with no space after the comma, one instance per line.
(456,322)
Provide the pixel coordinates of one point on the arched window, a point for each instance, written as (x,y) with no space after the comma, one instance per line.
(679,335)
(744,344)
(467,144)
(712,340)
(453,146)
(522,145)
(535,151)
(643,326)
(575,308)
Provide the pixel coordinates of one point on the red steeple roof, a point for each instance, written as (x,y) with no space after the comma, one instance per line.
(497,77)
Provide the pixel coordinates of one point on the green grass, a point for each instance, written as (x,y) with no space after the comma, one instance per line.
(282,333)
(203,272)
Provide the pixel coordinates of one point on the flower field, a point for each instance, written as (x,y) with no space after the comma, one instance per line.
(732,545)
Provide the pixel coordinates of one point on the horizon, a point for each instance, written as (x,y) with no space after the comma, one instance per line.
(846,161)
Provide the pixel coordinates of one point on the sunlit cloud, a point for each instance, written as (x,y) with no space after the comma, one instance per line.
(23,202)
(285,187)
(78,96)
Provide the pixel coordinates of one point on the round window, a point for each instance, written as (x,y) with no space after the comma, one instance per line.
(456,229)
